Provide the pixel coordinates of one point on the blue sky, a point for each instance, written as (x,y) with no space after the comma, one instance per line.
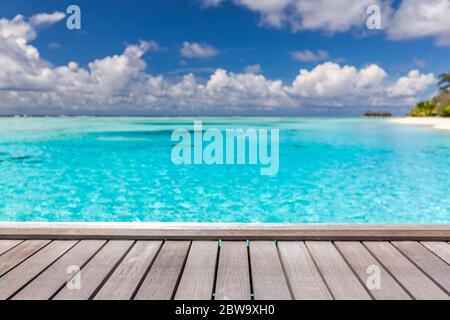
(253,43)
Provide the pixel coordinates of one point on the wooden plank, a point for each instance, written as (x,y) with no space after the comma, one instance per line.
(412,279)
(96,271)
(161,280)
(224,231)
(428,262)
(441,249)
(127,276)
(233,277)
(19,253)
(269,282)
(340,279)
(56,276)
(26,271)
(304,279)
(197,281)
(6,245)
(364,265)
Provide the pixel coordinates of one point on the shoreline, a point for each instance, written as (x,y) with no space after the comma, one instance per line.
(438,123)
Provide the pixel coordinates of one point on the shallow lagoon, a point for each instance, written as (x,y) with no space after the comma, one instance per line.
(346,170)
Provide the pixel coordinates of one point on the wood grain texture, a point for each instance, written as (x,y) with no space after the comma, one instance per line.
(224,231)
(441,249)
(30,268)
(269,282)
(304,279)
(418,284)
(19,253)
(341,280)
(197,280)
(161,280)
(367,267)
(127,276)
(427,261)
(6,245)
(55,277)
(96,271)
(233,277)
(161,269)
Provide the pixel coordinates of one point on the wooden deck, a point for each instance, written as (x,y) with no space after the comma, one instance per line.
(39,263)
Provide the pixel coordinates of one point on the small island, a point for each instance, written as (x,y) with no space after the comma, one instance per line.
(438,106)
(377,114)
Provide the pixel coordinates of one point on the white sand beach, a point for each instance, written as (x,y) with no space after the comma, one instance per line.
(435,122)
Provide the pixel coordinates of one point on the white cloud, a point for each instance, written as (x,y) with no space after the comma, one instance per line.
(212,3)
(272,11)
(46,18)
(410,19)
(336,15)
(17,27)
(245,89)
(155,46)
(332,80)
(422,18)
(253,68)
(122,82)
(310,56)
(326,15)
(412,84)
(197,50)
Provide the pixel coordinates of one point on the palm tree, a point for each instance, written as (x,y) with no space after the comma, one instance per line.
(444,81)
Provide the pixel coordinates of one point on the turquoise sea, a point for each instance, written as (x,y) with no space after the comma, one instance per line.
(345,170)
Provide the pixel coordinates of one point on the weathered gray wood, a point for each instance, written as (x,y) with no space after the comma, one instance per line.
(127,276)
(233,274)
(53,278)
(19,253)
(197,280)
(340,279)
(367,267)
(95,272)
(304,279)
(6,245)
(428,262)
(224,231)
(26,271)
(268,278)
(418,284)
(161,280)
(441,249)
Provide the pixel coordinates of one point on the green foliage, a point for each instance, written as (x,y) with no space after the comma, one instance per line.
(444,81)
(439,106)
(424,109)
(446,111)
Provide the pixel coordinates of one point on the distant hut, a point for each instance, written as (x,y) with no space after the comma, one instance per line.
(377,114)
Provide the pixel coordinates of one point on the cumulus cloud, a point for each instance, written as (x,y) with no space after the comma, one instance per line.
(422,18)
(197,50)
(310,56)
(332,80)
(122,82)
(412,84)
(337,15)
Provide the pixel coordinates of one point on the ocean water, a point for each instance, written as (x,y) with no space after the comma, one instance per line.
(119,169)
